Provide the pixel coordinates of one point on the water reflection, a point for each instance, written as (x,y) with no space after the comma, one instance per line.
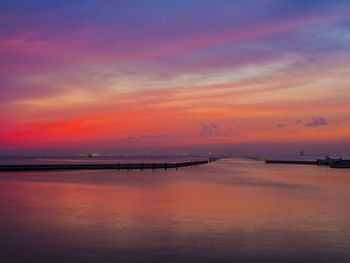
(231,210)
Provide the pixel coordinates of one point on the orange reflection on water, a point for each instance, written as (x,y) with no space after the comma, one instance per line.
(179,205)
(226,207)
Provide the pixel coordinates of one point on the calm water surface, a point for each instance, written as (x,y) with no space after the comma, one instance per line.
(233,210)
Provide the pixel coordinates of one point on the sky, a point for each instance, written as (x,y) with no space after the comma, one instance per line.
(137,76)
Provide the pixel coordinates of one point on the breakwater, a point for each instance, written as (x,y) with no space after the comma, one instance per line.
(334,163)
(99,166)
(291,162)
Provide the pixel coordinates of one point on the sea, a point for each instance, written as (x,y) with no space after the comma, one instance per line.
(232,210)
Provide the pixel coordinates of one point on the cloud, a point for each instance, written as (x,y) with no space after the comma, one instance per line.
(299,122)
(280,125)
(316,122)
(134,137)
(208,129)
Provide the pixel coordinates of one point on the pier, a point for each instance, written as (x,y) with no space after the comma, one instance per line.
(99,166)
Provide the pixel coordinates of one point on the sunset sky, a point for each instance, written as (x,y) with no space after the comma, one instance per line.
(109,75)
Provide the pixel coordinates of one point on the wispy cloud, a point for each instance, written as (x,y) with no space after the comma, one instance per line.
(87,71)
(147,137)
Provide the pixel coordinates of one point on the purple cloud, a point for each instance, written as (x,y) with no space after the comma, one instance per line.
(319,121)
(208,129)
